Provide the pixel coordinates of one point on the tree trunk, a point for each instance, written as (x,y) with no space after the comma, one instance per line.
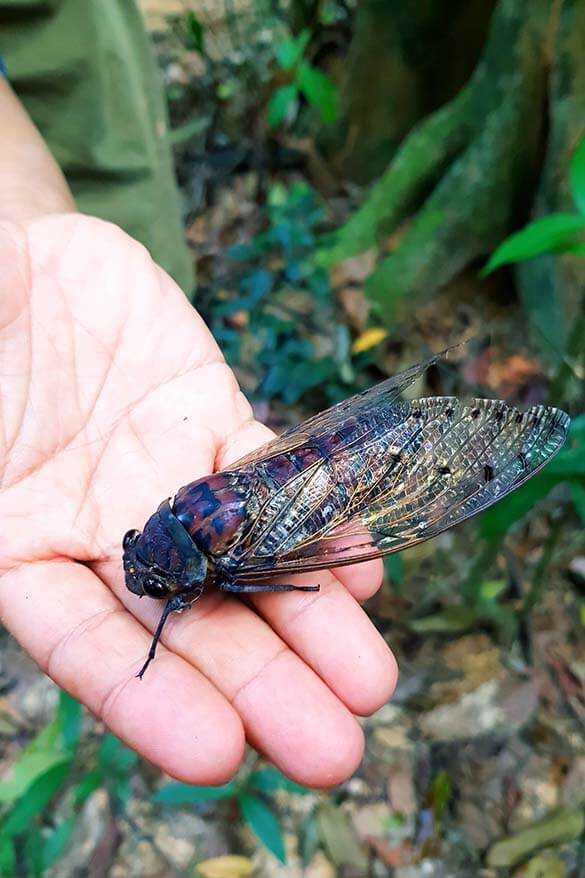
(405,61)
(467,175)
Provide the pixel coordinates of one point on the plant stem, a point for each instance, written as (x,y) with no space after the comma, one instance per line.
(565,370)
(538,581)
(478,571)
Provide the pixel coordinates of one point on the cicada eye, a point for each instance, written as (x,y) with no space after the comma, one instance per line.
(155,588)
(130,538)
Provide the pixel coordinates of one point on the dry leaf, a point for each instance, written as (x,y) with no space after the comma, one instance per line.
(401,790)
(230,866)
(355,307)
(547,865)
(557,827)
(512,372)
(394,856)
(354,270)
(368,339)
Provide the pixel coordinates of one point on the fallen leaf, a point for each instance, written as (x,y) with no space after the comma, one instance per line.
(354,270)
(558,827)
(511,372)
(547,865)
(452,620)
(339,837)
(371,819)
(394,856)
(401,790)
(574,783)
(393,738)
(355,306)
(368,339)
(229,866)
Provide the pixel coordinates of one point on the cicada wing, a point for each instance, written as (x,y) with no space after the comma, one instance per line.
(384,394)
(462,459)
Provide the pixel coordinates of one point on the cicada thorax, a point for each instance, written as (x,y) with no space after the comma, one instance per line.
(214,510)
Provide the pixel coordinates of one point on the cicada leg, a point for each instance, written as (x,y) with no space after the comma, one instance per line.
(236,588)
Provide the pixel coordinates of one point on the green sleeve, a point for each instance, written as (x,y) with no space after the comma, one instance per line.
(85,71)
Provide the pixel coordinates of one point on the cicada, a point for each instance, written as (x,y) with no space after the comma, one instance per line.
(372,475)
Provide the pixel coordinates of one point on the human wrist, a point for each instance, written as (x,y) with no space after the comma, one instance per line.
(31,182)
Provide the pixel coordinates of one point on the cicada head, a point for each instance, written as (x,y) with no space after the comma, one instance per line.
(163,560)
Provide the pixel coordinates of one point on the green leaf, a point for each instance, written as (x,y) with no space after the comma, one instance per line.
(578,498)
(555,828)
(225,90)
(570,248)
(195,33)
(258,283)
(568,464)
(87,785)
(55,843)
(577,429)
(539,237)
(577,177)
(448,621)
(263,824)
(36,799)
(270,779)
(340,839)
(7,855)
(289,53)
(280,103)
(187,131)
(186,794)
(501,617)
(497,521)
(48,740)
(30,853)
(394,565)
(319,91)
(441,793)
(491,590)
(27,770)
(309,838)
(115,756)
(69,719)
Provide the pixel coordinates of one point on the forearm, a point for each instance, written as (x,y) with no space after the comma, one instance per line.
(31,182)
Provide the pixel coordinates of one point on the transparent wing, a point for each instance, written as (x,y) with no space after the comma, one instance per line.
(397,474)
(384,394)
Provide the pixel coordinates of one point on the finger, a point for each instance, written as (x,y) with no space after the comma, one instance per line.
(78,633)
(287,710)
(332,633)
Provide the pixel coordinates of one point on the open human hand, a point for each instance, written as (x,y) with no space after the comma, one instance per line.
(113,395)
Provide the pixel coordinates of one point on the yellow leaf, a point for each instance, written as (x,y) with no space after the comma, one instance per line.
(368,339)
(230,866)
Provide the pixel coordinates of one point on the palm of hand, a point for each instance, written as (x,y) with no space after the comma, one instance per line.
(114,394)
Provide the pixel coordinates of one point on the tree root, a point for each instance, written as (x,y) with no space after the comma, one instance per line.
(464,177)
